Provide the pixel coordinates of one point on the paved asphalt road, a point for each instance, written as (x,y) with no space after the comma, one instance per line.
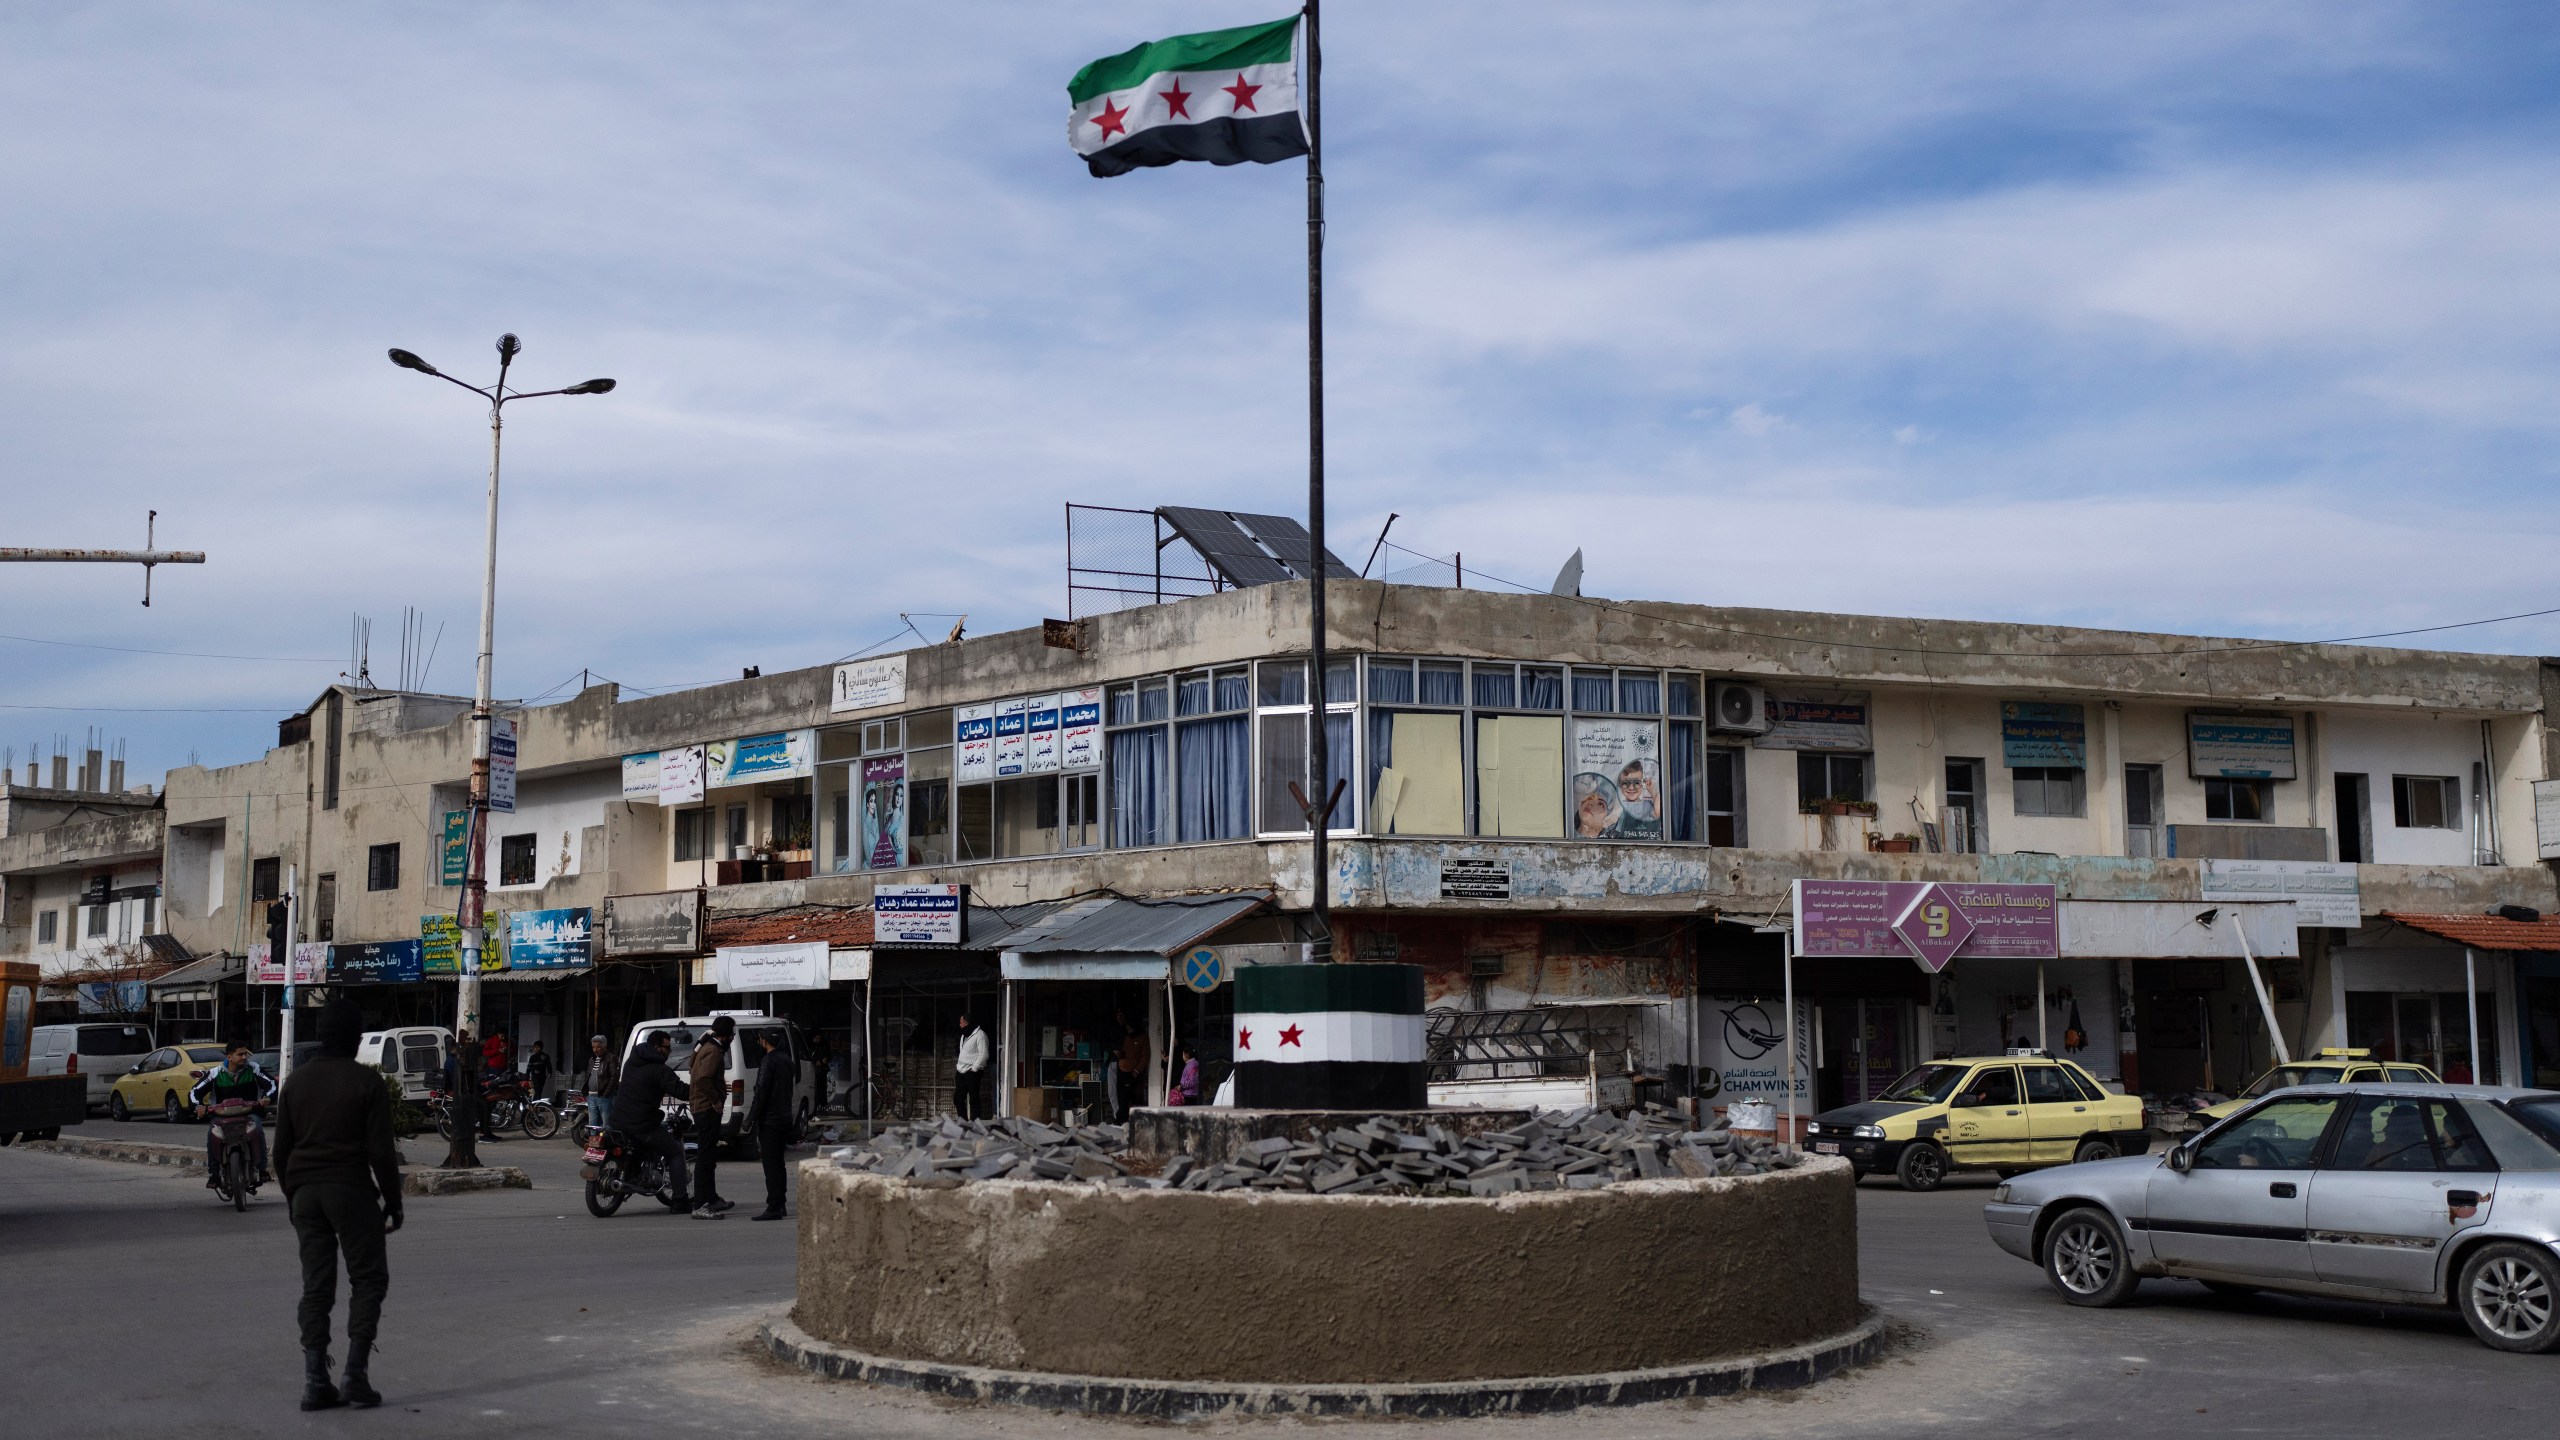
(132,1303)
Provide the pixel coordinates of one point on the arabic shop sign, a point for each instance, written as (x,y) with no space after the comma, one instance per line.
(377,962)
(549,939)
(1929,922)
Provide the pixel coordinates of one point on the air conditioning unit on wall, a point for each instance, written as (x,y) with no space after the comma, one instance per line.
(1736,708)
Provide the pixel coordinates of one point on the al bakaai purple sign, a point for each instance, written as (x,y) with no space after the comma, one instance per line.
(1929,922)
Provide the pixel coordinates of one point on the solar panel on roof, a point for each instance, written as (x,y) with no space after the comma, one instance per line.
(1249,549)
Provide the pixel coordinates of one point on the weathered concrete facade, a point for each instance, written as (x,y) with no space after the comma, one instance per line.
(2442,749)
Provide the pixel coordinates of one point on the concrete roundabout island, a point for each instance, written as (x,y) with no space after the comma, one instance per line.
(1179,1304)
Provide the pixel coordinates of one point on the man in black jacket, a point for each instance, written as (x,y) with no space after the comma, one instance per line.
(646,1081)
(769,1115)
(342,1185)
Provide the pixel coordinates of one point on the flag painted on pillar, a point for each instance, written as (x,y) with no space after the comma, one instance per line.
(1224,96)
(1329,1037)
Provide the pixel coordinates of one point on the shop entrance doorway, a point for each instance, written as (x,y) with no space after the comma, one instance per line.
(1865,1044)
(2430,1028)
(2542,1030)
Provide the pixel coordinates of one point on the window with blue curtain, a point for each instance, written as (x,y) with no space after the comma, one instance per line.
(1680,756)
(1541,687)
(1639,692)
(1593,694)
(1495,689)
(1341,683)
(1232,691)
(1391,682)
(1340,753)
(1138,788)
(1214,783)
(1444,683)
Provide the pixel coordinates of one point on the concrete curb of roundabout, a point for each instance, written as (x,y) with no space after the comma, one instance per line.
(1784,1369)
(189,1160)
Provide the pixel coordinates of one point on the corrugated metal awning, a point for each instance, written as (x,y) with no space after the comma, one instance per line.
(211,970)
(1119,925)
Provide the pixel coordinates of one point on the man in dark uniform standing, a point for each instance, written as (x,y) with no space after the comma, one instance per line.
(769,1116)
(341,1176)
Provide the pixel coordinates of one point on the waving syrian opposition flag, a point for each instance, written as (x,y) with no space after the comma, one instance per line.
(1224,96)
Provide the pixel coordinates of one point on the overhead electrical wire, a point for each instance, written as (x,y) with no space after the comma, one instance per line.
(179,654)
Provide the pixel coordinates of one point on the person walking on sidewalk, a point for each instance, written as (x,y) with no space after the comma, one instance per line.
(342,1186)
(599,1079)
(537,1073)
(707,1093)
(969,1071)
(769,1116)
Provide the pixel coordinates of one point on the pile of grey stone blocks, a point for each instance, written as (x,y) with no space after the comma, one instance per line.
(1400,1154)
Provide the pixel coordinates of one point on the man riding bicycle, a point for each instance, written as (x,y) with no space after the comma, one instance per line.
(238,1078)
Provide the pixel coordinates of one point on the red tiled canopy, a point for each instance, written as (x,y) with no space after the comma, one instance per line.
(838,927)
(2484,932)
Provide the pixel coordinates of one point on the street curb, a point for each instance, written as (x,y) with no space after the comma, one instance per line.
(189,1160)
(1208,1399)
(455,1182)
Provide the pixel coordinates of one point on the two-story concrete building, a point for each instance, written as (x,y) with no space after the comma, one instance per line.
(1550,799)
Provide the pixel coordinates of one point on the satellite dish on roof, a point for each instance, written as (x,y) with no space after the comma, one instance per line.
(1569,579)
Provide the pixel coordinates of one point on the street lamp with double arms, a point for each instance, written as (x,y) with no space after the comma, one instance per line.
(464,1154)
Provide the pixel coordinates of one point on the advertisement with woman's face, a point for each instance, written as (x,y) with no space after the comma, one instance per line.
(884,812)
(1616,779)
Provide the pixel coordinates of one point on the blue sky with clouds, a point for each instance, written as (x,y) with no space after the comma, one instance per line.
(2226,317)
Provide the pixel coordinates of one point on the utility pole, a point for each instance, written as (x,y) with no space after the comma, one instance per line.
(292,903)
(145,557)
(463,1154)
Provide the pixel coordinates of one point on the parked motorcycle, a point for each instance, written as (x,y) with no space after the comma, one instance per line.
(586,1118)
(540,1119)
(615,1171)
(235,1167)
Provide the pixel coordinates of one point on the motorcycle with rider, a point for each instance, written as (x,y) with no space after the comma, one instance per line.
(232,1096)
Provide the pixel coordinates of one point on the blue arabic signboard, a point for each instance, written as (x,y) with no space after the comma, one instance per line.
(549,939)
(918,914)
(2033,734)
(2240,747)
(377,962)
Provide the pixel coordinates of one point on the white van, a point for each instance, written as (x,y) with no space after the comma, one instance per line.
(100,1051)
(745,1053)
(415,1053)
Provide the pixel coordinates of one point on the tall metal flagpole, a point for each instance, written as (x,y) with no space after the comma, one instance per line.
(1321,793)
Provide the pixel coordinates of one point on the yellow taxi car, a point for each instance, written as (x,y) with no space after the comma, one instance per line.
(2329,1067)
(2021,1111)
(161,1081)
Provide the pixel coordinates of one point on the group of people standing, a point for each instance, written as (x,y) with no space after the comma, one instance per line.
(1120,1048)
(648,1079)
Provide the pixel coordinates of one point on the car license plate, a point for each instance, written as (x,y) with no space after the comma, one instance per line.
(1826,1147)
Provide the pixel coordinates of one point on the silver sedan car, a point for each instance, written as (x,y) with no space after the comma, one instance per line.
(2404,1194)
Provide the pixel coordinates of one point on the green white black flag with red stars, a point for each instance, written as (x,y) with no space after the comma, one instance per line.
(1224,96)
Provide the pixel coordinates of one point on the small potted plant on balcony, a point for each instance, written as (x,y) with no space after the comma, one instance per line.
(1894,844)
(1844,805)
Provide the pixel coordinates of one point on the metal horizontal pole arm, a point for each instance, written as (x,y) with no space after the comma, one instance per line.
(126,557)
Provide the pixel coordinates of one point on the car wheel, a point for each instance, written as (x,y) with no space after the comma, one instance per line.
(1923,1166)
(2086,1260)
(170,1114)
(2093,1150)
(117,1110)
(2509,1295)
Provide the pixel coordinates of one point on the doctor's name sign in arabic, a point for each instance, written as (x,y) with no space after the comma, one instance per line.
(1929,922)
